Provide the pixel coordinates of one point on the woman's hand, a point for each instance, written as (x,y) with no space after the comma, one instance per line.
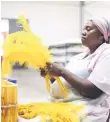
(54,69)
(43,72)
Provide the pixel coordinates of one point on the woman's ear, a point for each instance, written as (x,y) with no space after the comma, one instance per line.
(101,39)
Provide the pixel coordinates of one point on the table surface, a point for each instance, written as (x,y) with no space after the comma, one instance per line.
(31,88)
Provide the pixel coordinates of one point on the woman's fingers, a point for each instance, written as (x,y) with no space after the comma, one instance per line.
(42,72)
(54,69)
(49,66)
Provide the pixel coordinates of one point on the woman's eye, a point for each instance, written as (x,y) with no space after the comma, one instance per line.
(88,28)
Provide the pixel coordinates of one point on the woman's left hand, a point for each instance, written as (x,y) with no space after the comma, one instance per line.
(54,69)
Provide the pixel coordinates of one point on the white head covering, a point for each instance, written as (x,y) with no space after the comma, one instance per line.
(103,24)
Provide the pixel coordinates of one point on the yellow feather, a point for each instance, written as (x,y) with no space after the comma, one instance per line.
(47,83)
(64,90)
(24,23)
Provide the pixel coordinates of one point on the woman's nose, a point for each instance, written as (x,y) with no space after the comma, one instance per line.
(84,32)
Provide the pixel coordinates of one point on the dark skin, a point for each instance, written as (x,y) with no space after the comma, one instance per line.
(91,38)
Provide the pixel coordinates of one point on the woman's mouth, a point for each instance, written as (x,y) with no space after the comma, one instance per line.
(83,38)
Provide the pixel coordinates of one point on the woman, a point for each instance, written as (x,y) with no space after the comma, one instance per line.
(87,75)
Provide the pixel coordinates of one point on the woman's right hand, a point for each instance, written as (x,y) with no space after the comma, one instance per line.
(43,72)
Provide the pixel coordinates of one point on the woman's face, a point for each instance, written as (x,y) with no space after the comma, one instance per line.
(91,36)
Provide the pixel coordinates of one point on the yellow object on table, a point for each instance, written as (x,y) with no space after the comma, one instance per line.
(57,112)
(8,101)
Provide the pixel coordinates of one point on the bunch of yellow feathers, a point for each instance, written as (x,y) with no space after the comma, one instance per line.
(25,46)
(56,112)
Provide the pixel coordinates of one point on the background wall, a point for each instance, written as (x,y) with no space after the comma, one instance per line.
(52,21)
(55,20)
(96,8)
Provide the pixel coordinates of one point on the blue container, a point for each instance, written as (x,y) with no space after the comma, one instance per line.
(12,80)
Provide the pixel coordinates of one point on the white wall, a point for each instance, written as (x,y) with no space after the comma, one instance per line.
(96,8)
(52,21)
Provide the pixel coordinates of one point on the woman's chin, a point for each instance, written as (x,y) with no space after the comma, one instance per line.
(83,42)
